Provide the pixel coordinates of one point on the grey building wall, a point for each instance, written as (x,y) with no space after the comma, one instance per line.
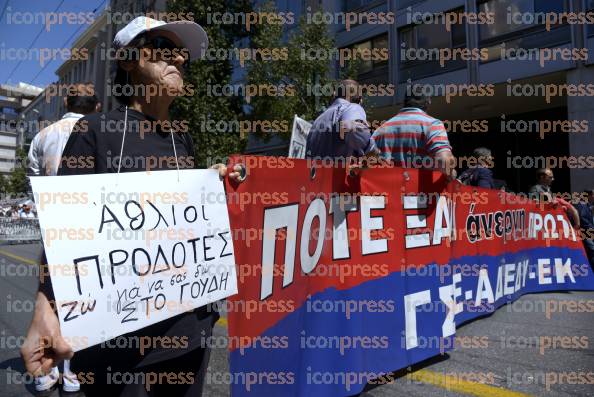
(13,100)
(42,111)
(582,144)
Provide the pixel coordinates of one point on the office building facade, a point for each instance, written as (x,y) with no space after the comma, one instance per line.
(13,125)
(504,103)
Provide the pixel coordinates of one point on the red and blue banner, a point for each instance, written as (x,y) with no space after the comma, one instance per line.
(343,280)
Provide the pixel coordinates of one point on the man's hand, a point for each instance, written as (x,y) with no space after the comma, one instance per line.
(356,165)
(235,175)
(44,346)
(446,163)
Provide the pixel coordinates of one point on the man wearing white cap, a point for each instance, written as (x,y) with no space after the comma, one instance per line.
(177,354)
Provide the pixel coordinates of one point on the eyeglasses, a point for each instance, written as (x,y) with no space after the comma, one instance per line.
(162,43)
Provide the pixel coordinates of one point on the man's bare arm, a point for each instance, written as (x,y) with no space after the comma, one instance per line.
(446,163)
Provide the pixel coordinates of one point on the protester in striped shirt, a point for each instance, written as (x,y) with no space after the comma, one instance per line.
(413,139)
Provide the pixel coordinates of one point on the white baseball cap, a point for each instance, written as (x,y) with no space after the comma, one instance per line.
(192,36)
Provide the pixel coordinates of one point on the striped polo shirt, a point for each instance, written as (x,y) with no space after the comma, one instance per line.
(411,138)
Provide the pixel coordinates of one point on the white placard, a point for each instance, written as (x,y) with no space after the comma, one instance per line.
(129,250)
(299,138)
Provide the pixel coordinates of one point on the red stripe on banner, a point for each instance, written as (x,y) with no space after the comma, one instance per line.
(289,185)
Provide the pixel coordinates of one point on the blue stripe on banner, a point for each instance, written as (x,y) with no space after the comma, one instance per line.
(324,349)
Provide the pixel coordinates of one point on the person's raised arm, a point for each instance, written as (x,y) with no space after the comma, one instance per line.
(446,163)
(437,145)
(355,130)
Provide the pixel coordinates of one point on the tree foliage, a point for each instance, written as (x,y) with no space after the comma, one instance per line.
(17,181)
(221,137)
(304,75)
(3,185)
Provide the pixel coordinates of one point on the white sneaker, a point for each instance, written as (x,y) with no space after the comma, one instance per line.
(70,382)
(46,382)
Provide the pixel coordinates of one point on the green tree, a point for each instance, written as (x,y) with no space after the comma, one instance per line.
(304,73)
(18,182)
(3,185)
(212,144)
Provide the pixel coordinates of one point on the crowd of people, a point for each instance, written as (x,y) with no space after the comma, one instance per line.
(414,139)
(18,211)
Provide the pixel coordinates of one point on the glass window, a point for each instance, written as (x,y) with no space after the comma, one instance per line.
(354,4)
(432,36)
(557,6)
(546,6)
(92,64)
(590,7)
(407,37)
(510,15)
(405,3)
(458,30)
(500,9)
(493,53)
(368,59)
(458,35)
(380,42)
(365,65)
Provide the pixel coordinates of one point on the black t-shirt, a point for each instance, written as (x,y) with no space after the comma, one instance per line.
(94,148)
(96,140)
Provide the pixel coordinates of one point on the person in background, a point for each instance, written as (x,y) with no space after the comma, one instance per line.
(47,146)
(44,160)
(569,209)
(542,193)
(542,190)
(480,175)
(414,139)
(15,212)
(27,213)
(342,130)
(585,210)
(501,184)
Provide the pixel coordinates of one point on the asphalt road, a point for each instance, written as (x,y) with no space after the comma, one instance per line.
(519,350)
